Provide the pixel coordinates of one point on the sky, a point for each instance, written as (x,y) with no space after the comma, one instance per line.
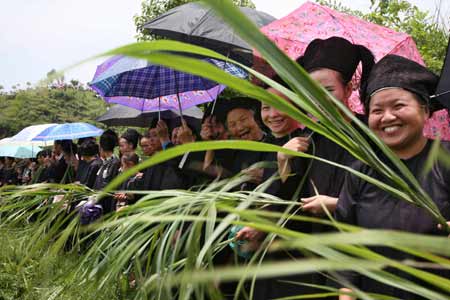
(39,35)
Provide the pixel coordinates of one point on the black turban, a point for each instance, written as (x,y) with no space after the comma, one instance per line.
(225,106)
(396,71)
(337,54)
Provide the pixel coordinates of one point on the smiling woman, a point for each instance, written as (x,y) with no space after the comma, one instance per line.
(398,103)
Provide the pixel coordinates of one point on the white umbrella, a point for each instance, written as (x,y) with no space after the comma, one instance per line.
(11,142)
(19,151)
(29,133)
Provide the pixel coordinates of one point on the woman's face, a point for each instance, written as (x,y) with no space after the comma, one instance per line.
(154,140)
(241,125)
(278,122)
(125,146)
(332,82)
(397,118)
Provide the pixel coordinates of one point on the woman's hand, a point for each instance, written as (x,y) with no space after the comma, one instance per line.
(299,144)
(252,236)
(315,205)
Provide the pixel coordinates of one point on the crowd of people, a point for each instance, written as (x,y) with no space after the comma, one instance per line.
(396,95)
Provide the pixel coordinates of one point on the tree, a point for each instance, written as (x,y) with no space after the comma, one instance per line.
(152,8)
(47,105)
(431,38)
(55,79)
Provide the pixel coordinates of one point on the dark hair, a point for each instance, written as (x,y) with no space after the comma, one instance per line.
(82,140)
(88,148)
(68,147)
(131,136)
(131,157)
(146,135)
(108,140)
(44,153)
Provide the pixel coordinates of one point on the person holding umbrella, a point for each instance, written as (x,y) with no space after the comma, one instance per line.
(128,141)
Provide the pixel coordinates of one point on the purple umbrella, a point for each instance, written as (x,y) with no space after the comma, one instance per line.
(146,87)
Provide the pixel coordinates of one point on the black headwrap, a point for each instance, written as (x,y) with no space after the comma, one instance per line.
(337,54)
(396,71)
(221,111)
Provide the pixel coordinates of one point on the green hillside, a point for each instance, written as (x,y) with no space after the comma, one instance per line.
(69,103)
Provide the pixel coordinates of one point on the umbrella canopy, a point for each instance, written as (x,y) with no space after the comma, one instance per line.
(29,133)
(119,115)
(197,24)
(443,88)
(11,142)
(52,132)
(310,21)
(140,85)
(19,151)
(439,124)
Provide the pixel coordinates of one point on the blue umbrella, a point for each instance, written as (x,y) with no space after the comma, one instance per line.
(51,132)
(19,151)
(138,84)
(29,133)
(68,131)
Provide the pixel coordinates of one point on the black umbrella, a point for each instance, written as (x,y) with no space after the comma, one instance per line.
(443,88)
(196,24)
(119,115)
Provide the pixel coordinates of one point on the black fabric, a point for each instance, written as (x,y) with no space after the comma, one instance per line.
(162,176)
(9,176)
(108,170)
(198,24)
(276,188)
(396,71)
(363,204)
(87,172)
(328,180)
(337,54)
(41,175)
(443,88)
(277,287)
(57,170)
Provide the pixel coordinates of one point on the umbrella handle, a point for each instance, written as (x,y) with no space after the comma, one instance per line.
(159,108)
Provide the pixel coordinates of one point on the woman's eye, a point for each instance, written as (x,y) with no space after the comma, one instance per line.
(376,111)
(399,106)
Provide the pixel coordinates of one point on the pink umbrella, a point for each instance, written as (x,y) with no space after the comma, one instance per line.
(310,21)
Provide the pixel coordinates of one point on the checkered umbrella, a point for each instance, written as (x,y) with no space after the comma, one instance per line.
(138,84)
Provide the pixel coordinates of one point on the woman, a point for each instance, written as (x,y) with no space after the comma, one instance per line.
(128,141)
(89,163)
(109,168)
(397,100)
(332,63)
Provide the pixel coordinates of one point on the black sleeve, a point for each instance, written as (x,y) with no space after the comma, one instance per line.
(346,213)
(346,206)
(92,175)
